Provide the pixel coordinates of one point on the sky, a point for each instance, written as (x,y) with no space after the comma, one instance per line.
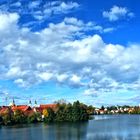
(86,50)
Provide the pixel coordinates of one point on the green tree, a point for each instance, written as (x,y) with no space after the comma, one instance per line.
(38,116)
(19,117)
(7,116)
(68,112)
(79,112)
(34,117)
(60,113)
(76,111)
(50,117)
(136,110)
(84,116)
(102,107)
(90,110)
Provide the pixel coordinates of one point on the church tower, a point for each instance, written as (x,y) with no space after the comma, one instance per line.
(30,103)
(12,103)
(35,104)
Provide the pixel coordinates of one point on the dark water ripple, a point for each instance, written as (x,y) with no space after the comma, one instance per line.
(104,127)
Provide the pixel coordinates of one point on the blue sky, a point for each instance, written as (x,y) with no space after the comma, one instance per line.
(73,50)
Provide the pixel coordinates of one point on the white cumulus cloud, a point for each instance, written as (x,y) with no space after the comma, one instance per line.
(57,53)
(116,13)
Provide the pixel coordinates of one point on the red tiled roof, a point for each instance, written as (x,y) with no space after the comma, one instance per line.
(28,112)
(21,107)
(47,106)
(3,109)
(27,109)
(38,109)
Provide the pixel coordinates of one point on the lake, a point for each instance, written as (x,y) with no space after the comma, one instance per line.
(103,127)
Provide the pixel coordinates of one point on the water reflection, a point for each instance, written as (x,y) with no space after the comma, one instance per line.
(121,127)
(117,127)
(59,131)
(67,131)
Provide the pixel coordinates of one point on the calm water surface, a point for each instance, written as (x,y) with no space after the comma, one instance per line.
(104,127)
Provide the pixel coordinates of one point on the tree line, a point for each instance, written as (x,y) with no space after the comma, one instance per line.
(62,113)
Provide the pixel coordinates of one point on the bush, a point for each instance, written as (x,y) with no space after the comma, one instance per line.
(19,117)
(34,117)
(7,117)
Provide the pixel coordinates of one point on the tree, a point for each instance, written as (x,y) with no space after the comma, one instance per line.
(76,111)
(102,107)
(7,116)
(50,115)
(84,116)
(90,109)
(136,110)
(19,117)
(45,113)
(60,113)
(68,112)
(34,117)
(79,112)
(38,116)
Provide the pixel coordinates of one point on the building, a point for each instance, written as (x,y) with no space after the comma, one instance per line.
(3,109)
(44,106)
(27,109)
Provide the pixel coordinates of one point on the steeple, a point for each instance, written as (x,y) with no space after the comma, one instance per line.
(35,102)
(13,103)
(30,103)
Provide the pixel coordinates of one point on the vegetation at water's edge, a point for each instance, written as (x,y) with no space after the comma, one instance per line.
(63,112)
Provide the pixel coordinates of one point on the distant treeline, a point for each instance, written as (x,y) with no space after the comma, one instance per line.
(62,113)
